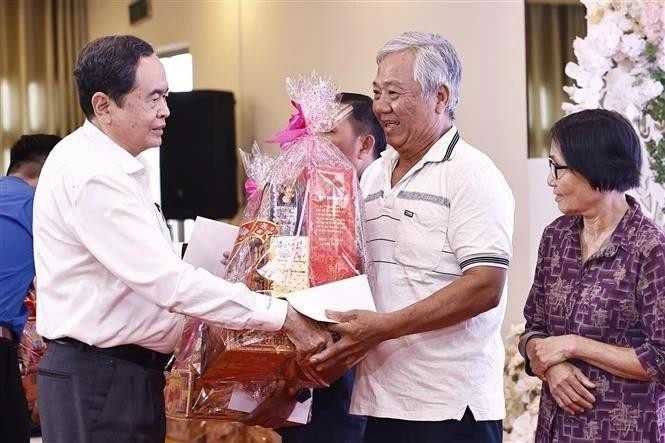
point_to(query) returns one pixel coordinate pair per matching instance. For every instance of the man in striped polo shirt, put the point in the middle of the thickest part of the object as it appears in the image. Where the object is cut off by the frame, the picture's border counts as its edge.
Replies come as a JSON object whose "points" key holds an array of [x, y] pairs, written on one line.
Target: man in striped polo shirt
{"points": [[439, 221]]}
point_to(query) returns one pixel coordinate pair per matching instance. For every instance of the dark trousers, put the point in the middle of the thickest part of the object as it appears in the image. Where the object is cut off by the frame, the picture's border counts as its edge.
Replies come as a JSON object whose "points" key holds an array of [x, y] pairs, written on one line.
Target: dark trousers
{"points": [[331, 421], [86, 396], [14, 415], [468, 430]]}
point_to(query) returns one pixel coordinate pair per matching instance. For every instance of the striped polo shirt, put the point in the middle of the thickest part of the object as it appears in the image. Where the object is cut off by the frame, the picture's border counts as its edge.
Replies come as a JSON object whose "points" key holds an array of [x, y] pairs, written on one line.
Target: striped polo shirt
{"points": [[452, 211]]}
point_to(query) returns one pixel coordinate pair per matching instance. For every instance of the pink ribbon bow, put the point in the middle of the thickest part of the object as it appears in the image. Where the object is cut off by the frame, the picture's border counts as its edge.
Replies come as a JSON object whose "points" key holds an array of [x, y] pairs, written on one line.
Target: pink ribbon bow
{"points": [[250, 186], [297, 127]]}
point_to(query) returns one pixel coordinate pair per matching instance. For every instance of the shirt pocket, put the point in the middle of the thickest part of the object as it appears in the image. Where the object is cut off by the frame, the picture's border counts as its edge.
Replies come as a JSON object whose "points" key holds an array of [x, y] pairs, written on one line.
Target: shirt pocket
{"points": [[421, 236]]}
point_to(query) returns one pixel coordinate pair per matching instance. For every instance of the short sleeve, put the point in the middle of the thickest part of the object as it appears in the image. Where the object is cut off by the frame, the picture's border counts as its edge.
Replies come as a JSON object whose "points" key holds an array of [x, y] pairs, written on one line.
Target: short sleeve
{"points": [[481, 220]]}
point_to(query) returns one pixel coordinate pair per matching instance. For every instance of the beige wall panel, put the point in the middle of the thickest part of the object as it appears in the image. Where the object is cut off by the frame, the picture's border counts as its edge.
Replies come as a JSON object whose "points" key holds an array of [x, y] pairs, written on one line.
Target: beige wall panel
{"points": [[209, 29]]}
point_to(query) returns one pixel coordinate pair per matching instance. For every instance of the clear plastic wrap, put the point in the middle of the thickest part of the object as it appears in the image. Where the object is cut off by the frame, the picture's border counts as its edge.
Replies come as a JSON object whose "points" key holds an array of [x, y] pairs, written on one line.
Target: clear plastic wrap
{"points": [[199, 431], [190, 397], [31, 350], [301, 227]]}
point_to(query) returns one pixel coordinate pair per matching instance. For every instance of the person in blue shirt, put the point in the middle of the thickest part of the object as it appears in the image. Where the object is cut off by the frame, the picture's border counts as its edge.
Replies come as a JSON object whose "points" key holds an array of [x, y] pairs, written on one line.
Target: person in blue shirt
{"points": [[17, 271]]}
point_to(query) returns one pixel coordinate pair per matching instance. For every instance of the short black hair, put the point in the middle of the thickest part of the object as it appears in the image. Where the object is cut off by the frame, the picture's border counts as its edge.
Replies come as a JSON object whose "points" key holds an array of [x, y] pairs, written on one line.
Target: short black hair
{"points": [[108, 65], [32, 148], [602, 146], [364, 120]]}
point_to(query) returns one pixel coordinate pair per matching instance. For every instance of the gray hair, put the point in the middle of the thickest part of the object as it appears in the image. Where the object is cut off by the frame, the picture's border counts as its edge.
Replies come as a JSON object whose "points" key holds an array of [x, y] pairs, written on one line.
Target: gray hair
{"points": [[435, 64]]}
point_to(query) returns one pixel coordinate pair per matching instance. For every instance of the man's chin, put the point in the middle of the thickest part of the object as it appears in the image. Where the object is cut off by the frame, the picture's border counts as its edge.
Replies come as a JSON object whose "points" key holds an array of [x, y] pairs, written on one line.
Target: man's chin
{"points": [[395, 144], [155, 142]]}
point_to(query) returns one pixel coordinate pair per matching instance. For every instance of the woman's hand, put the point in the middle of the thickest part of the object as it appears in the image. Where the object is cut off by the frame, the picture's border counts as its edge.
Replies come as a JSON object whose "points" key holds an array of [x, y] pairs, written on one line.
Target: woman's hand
{"points": [[570, 388], [547, 352]]}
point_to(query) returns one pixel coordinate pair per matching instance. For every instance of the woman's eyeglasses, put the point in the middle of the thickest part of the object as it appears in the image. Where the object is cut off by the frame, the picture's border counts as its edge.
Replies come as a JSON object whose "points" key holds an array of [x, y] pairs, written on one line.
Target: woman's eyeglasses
{"points": [[554, 168]]}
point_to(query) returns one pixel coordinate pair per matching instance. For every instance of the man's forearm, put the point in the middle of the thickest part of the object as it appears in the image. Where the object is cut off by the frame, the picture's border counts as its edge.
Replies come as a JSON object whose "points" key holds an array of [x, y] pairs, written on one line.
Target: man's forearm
{"points": [[477, 291]]}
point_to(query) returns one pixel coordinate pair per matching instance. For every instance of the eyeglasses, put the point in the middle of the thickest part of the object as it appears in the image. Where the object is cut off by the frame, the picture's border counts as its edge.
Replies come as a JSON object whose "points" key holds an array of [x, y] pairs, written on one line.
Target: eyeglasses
{"points": [[554, 168]]}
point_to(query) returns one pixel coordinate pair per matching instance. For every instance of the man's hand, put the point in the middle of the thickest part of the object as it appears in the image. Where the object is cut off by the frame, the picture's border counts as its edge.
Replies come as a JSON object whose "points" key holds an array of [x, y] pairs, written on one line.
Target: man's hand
{"points": [[274, 410], [359, 331], [570, 388], [547, 352], [308, 336]]}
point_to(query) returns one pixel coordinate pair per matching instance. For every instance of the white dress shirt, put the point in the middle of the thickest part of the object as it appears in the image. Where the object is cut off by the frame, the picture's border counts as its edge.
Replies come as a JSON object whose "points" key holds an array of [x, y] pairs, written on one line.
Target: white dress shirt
{"points": [[107, 272], [452, 211]]}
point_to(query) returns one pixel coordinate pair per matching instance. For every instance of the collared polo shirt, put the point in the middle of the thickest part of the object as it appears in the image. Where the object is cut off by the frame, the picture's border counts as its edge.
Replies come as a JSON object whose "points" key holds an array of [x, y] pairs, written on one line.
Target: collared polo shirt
{"points": [[452, 211]]}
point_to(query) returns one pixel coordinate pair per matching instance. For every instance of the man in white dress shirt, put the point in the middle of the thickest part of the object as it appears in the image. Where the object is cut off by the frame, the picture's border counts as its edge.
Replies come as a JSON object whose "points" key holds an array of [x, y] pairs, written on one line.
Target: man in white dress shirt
{"points": [[111, 287], [439, 222]]}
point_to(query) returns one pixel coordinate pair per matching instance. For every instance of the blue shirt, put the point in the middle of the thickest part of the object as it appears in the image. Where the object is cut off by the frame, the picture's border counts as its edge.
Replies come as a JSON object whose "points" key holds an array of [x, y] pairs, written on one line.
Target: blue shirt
{"points": [[17, 263]]}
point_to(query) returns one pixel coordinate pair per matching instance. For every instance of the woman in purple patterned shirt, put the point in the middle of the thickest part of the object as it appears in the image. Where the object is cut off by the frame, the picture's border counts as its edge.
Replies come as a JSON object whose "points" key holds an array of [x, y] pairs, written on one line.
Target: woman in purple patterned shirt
{"points": [[595, 316]]}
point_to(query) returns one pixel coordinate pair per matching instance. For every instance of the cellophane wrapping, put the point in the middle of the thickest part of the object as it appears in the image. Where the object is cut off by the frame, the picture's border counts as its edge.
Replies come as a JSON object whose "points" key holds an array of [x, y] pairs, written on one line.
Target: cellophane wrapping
{"points": [[188, 395], [31, 350], [201, 431], [302, 227]]}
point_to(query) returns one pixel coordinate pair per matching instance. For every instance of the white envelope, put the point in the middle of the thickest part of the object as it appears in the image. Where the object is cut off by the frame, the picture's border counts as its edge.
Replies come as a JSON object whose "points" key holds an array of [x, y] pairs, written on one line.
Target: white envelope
{"points": [[342, 295], [210, 238], [243, 401]]}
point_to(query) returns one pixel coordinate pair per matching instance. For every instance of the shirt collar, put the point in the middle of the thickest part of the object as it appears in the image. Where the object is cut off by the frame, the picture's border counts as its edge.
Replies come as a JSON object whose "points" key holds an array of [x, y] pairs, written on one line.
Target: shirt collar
{"points": [[623, 235], [16, 179], [438, 151], [111, 149], [441, 150]]}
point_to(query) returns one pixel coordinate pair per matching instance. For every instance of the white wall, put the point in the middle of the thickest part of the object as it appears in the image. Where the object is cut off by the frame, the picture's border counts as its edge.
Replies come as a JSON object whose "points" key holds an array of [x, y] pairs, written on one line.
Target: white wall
{"points": [[250, 47]]}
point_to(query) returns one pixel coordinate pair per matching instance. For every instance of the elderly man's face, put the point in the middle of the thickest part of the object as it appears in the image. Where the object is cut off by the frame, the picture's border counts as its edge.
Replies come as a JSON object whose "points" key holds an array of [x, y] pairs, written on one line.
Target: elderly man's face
{"points": [[407, 119], [139, 123]]}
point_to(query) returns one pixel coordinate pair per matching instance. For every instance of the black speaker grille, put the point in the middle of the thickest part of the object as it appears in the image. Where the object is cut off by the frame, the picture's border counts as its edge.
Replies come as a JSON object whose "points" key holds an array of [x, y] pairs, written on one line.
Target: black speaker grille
{"points": [[198, 156]]}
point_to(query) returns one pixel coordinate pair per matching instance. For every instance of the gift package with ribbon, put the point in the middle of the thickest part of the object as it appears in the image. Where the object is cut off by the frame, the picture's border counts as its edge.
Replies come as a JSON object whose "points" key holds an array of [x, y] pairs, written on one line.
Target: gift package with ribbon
{"points": [[30, 351], [302, 227]]}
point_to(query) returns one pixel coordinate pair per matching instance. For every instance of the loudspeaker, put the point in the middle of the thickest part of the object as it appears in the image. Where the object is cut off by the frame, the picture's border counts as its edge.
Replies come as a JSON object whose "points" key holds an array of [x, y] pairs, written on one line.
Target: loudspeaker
{"points": [[198, 156]]}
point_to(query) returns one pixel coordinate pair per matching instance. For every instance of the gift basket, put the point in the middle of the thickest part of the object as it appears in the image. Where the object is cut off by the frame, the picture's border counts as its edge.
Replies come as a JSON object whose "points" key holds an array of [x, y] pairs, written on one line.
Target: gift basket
{"points": [[301, 227], [199, 431], [187, 395], [31, 350]]}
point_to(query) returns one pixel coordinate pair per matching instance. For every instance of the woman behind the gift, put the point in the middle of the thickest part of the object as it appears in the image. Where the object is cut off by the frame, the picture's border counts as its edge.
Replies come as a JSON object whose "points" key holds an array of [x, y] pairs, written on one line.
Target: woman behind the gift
{"points": [[595, 316]]}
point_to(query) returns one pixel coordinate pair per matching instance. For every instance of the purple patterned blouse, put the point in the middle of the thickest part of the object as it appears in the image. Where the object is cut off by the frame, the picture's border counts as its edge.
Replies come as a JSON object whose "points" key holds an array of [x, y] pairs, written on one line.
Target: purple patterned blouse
{"points": [[617, 297]]}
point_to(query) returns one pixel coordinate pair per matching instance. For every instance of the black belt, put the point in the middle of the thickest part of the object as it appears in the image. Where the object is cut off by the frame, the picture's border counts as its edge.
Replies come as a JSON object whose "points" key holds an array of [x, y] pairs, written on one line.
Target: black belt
{"points": [[133, 353]]}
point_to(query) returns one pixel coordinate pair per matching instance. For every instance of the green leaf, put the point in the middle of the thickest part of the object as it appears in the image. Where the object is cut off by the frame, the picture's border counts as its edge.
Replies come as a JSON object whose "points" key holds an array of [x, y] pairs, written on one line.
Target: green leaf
{"points": [[651, 52], [657, 160]]}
